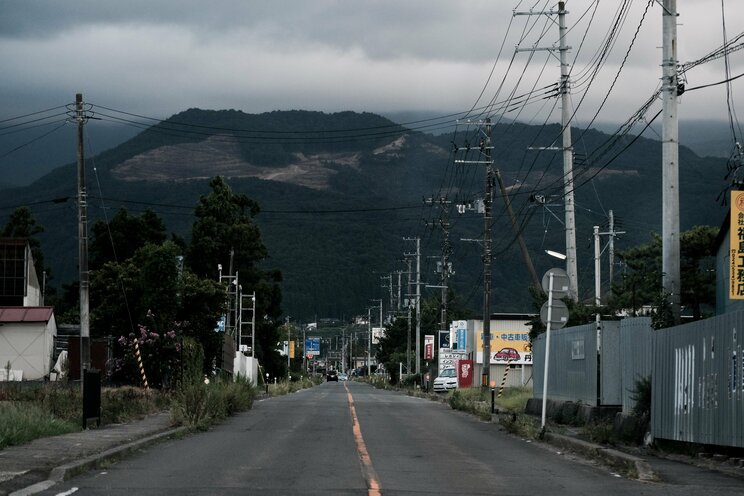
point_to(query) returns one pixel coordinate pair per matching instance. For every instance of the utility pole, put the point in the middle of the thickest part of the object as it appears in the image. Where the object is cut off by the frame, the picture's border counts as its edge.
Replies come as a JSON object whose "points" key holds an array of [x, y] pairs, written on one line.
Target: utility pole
{"points": [[418, 301], [536, 281], [408, 308], [83, 242], [444, 266], [567, 147], [485, 149], [568, 184], [612, 245], [670, 242]]}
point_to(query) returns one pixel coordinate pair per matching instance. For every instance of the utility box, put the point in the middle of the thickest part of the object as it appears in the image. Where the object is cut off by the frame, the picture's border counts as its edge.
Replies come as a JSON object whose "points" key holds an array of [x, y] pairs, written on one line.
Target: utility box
{"points": [[91, 397]]}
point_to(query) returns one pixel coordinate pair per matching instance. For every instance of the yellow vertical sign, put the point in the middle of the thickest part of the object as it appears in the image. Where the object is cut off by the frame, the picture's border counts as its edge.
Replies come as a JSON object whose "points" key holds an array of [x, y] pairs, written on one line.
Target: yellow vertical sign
{"points": [[736, 247], [291, 349]]}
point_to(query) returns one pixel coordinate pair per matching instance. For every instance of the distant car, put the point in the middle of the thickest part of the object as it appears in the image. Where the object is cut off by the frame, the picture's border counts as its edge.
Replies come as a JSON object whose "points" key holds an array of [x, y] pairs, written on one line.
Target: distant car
{"points": [[507, 354], [446, 380], [343, 377], [331, 376]]}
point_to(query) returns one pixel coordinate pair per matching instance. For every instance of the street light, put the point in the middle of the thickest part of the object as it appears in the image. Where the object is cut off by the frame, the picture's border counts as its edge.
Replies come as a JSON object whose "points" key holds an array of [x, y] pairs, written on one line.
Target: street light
{"points": [[559, 256]]}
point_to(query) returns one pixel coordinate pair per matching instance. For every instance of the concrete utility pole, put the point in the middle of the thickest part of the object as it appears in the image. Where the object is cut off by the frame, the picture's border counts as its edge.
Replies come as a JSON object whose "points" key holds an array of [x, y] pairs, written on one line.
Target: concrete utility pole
{"points": [[408, 305], [670, 160], [445, 266], [418, 301], [83, 241], [488, 202], [485, 150], [567, 147], [568, 184]]}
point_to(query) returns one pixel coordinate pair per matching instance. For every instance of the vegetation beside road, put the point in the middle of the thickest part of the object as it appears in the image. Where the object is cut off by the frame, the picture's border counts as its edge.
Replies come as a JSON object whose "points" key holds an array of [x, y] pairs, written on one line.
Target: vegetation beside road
{"points": [[33, 411]]}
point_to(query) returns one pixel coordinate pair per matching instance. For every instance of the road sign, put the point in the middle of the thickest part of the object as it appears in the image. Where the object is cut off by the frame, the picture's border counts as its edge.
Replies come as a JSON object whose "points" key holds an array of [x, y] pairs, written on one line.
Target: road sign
{"points": [[558, 316], [560, 283]]}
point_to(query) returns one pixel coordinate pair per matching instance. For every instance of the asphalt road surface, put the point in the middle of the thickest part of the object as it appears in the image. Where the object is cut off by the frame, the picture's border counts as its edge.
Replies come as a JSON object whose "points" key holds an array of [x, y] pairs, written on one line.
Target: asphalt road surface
{"points": [[348, 438]]}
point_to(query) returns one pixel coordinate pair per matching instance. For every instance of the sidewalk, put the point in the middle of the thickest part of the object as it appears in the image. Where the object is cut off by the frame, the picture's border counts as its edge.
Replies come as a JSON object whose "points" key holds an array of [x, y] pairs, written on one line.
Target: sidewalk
{"points": [[37, 465]]}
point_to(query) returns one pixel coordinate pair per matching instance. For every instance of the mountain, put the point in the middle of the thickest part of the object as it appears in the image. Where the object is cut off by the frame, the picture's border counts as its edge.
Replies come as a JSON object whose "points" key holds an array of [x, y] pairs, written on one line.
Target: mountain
{"points": [[340, 192]]}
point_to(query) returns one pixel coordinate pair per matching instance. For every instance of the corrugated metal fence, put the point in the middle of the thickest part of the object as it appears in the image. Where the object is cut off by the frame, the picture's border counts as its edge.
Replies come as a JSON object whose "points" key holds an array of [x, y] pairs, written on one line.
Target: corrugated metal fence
{"points": [[572, 375], [696, 370], [698, 382]]}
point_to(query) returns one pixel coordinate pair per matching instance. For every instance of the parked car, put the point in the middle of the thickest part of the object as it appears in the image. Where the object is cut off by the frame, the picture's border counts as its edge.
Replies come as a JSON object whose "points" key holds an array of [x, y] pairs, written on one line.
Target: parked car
{"points": [[331, 376], [507, 354], [446, 380], [343, 377]]}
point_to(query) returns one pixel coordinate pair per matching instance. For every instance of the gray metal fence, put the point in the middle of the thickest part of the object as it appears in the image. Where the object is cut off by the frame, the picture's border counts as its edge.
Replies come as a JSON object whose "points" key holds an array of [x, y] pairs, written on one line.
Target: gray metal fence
{"points": [[698, 382], [572, 369], [636, 357]]}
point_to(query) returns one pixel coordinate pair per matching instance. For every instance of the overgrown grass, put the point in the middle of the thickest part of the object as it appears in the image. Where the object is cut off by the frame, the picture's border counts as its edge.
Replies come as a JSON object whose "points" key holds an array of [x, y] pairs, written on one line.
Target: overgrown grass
{"points": [[199, 405], [21, 423], [284, 387]]}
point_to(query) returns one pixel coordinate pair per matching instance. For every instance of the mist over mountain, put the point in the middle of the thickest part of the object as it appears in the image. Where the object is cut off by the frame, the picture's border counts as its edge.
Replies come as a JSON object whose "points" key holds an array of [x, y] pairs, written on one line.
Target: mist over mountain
{"points": [[340, 192]]}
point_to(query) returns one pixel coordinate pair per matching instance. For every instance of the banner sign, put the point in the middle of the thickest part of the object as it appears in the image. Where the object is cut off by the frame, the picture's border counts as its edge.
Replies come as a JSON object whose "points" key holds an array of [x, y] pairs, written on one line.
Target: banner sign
{"points": [[459, 337], [736, 245], [428, 346], [464, 373]]}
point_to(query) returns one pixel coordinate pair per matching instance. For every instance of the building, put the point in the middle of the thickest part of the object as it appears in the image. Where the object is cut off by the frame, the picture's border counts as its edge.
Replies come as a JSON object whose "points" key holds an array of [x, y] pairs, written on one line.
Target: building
{"points": [[27, 328]]}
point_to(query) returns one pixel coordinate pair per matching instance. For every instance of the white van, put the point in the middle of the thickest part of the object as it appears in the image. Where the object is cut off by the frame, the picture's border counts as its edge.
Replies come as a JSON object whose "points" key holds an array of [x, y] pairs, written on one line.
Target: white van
{"points": [[446, 380]]}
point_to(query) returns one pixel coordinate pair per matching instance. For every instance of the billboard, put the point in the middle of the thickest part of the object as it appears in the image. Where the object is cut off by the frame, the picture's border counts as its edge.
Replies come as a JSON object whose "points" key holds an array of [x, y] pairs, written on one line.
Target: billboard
{"points": [[510, 343], [736, 247]]}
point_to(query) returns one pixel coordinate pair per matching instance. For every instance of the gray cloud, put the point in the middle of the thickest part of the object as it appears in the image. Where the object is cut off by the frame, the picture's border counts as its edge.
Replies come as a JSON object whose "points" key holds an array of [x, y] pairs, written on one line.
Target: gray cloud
{"points": [[160, 57]]}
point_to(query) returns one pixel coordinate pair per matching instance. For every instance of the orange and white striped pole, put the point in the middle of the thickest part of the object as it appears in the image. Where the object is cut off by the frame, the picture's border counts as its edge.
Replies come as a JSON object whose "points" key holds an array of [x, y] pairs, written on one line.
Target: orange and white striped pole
{"points": [[503, 381], [139, 362]]}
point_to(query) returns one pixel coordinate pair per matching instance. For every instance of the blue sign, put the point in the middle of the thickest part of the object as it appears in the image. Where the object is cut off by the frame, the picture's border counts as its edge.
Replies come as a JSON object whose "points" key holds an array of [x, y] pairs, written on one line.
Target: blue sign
{"points": [[462, 339], [312, 346]]}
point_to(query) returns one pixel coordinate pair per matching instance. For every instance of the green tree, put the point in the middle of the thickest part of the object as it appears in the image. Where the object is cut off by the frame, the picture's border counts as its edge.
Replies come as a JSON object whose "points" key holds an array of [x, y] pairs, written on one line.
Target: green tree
{"points": [[641, 281], [225, 233], [22, 224], [123, 235]]}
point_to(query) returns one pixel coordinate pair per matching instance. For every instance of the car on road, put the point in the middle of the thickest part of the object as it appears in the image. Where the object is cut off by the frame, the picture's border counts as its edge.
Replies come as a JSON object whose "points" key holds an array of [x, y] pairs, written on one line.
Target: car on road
{"points": [[331, 376], [343, 377], [446, 380], [507, 354]]}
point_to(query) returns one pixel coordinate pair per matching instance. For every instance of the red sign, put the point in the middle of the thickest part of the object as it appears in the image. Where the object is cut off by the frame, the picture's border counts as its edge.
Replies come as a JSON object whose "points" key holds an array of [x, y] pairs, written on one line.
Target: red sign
{"points": [[429, 347], [464, 373]]}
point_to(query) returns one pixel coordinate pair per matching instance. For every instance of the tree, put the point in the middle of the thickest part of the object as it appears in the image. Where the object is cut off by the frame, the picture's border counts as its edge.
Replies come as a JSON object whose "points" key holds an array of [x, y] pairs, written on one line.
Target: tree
{"points": [[225, 233], [123, 235], [391, 348], [641, 281], [22, 224]]}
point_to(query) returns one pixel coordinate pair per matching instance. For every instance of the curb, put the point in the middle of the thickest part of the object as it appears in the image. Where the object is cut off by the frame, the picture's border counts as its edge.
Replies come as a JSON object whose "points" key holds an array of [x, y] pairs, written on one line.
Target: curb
{"points": [[630, 464], [77, 467]]}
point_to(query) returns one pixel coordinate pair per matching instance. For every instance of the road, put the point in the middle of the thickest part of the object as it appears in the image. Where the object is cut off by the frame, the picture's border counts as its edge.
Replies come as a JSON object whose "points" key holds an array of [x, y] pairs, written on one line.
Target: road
{"points": [[349, 438]]}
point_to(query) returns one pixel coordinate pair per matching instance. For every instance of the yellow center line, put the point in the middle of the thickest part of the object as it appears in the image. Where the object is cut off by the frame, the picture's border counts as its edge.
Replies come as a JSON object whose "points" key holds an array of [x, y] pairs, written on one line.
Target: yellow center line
{"points": [[373, 482]]}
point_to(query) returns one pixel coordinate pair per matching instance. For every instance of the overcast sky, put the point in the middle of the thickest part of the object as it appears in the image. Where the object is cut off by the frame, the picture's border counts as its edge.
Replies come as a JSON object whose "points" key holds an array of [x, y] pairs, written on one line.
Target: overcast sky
{"points": [[159, 57]]}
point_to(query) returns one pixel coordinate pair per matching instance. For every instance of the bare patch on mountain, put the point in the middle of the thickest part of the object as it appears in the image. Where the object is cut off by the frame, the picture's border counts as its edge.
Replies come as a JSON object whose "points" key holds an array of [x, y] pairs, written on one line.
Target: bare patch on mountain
{"points": [[220, 156]]}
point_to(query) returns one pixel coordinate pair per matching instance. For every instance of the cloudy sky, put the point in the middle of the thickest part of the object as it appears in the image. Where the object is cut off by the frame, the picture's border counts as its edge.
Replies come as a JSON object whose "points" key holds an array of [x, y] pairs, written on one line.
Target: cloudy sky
{"points": [[158, 57]]}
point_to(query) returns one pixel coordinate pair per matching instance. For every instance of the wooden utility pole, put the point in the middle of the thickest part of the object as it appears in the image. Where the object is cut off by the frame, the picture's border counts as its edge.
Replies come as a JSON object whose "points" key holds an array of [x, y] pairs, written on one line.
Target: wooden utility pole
{"points": [[670, 265], [536, 281], [82, 241]]}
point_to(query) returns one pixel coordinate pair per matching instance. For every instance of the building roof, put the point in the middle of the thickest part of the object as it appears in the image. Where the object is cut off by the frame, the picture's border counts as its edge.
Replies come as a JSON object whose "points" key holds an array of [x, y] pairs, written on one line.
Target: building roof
{"points": [[26, 314]]}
